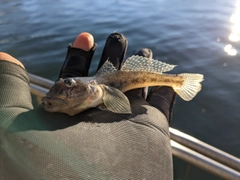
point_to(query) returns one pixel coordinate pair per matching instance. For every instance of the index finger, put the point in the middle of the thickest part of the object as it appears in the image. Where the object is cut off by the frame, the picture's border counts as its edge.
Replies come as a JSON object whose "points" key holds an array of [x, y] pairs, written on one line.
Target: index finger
{"points": [[79, 56]]}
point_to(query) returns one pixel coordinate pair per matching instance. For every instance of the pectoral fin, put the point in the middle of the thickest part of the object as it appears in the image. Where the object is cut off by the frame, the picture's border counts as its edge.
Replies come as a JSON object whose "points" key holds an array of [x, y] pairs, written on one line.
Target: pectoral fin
{"points": [[115, 101]]}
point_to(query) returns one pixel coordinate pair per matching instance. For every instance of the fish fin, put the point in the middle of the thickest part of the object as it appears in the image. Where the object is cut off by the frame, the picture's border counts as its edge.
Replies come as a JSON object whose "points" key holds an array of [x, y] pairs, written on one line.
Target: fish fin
{"points": [[106, 68], [190, 87], [140, 63], [102, 107], [115, 101]]}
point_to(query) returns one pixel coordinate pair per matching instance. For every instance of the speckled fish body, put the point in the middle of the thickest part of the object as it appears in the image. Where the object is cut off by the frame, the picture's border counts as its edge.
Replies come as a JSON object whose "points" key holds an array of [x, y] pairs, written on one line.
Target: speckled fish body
{"points": [[105, 89]]}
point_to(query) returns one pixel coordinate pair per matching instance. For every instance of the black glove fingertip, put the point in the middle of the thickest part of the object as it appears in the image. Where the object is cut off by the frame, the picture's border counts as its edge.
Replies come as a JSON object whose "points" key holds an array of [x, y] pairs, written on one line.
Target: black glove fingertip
{"points": [[114, 50]]}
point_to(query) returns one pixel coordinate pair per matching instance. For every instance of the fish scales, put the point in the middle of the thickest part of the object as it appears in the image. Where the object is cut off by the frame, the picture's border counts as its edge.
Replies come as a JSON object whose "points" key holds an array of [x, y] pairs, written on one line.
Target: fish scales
{"points": [[125, 81], [105, 89]]}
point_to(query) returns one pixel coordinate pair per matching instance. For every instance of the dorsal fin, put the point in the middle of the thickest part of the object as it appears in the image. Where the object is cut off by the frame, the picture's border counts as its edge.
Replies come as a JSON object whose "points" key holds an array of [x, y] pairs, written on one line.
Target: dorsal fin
{"points": [[106, 68], [140, 63]]}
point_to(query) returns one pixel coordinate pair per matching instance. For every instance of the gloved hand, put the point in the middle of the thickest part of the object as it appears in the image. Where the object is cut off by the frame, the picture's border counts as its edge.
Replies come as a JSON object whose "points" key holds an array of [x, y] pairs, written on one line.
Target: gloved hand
{"points": [[94, 144], [78, 61]]}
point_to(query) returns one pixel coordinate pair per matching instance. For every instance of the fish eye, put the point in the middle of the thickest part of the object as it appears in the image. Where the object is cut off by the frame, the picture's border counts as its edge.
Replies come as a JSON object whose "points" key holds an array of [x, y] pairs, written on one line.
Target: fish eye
{"points": [[69, 82]]}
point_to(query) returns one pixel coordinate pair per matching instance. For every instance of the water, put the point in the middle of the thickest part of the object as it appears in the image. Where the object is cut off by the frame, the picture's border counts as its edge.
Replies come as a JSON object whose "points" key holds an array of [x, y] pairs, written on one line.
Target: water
{"points": [[192, 34]]}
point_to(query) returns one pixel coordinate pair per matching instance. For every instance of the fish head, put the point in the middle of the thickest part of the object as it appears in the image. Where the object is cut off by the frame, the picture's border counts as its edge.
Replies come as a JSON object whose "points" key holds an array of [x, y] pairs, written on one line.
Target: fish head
{"points": [[72, 96]]}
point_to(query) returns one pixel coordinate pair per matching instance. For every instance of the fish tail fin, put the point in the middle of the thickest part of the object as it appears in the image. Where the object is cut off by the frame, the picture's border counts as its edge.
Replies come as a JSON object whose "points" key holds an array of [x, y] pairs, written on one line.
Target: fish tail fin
{"points": [[190, 87]]}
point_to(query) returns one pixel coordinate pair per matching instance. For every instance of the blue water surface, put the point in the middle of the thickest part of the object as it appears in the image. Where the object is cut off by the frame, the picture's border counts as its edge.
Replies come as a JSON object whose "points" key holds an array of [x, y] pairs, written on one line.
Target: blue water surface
{"points": [[199, 36]]}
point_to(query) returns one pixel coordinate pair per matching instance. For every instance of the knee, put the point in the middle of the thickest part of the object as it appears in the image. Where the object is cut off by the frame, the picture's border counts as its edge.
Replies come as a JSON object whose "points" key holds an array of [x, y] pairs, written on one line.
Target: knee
{"points": [[6, 57]]}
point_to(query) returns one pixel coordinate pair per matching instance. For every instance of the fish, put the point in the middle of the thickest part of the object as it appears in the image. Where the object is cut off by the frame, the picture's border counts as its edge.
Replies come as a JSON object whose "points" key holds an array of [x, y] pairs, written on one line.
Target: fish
{"points": [[105, 90]]}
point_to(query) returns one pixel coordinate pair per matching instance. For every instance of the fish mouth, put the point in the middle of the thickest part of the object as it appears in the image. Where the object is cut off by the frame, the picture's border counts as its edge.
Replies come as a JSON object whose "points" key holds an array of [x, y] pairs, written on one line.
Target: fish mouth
{"points": [[49, 101]]}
